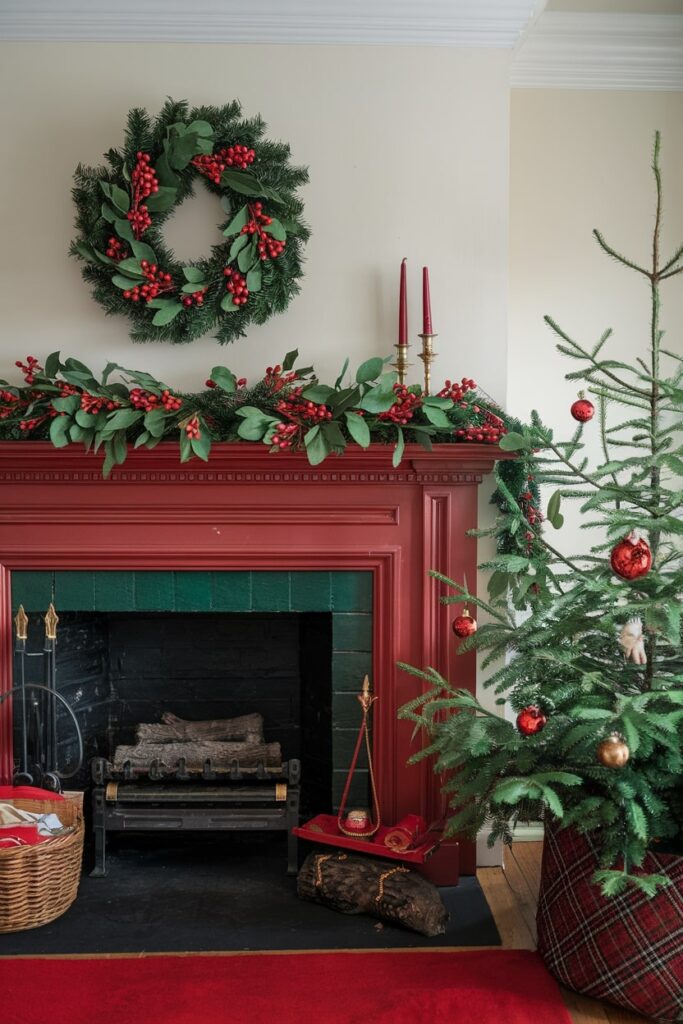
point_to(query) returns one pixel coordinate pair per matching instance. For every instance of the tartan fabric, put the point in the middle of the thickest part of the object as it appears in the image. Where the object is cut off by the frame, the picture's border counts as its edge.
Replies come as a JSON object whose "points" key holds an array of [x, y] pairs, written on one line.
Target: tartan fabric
{"points": [[628, 949]]}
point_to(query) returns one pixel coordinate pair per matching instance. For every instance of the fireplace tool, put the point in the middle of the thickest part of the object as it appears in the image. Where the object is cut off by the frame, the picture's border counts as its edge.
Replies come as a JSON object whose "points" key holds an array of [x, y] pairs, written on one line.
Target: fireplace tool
{"points": [[38, 732]]}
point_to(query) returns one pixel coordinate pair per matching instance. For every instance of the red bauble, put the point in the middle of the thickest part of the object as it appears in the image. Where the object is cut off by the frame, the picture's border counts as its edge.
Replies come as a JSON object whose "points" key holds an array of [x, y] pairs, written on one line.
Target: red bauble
{"points": [[583, 410], [631, 557], [531, 720], [464, 625]]}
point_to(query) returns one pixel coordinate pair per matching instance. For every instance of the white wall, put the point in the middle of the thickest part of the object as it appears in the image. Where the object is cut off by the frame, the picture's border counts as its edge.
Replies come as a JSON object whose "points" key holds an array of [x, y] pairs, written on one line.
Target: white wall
{"points": [[581, 160], [408, 156]]}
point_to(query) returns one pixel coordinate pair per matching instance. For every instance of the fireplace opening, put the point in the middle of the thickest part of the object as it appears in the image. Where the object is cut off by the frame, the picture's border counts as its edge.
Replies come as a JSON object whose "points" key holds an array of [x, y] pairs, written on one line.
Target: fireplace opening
{"points": [[122, 670]]}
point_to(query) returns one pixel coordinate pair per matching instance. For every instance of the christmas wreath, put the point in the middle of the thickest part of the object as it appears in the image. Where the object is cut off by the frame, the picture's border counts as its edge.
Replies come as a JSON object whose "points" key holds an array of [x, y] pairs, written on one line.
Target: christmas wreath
{"points": [[121, 210]]}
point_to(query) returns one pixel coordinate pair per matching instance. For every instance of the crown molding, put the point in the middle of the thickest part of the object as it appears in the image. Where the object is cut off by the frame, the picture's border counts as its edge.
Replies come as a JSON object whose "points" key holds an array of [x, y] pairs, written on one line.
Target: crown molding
{"points": [[493, 23], [601, 51]]}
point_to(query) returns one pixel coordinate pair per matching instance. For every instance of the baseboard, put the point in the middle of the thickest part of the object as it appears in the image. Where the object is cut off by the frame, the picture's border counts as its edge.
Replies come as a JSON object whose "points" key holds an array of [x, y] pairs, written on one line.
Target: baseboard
{"points": [[492, 856], [529, 832]]}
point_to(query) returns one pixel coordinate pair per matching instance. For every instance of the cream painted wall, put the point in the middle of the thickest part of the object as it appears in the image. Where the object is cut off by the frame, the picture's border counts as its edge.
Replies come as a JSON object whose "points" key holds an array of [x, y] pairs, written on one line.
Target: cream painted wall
{"points": [[408, 156], [581, 160]]}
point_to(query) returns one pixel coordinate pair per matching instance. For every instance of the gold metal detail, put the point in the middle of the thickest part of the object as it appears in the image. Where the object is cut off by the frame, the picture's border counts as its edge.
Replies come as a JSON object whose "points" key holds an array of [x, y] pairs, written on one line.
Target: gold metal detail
{"points": [[280, 791], [427, 355], [383, 877], [112, 791], [365, 696], [21, 623], [319, 866], [402, 365], [51, 620]]}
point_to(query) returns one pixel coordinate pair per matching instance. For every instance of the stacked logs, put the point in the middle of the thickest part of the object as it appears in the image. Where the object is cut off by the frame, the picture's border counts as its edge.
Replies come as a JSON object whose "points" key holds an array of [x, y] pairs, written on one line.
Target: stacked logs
{"points": [[221, 741]]}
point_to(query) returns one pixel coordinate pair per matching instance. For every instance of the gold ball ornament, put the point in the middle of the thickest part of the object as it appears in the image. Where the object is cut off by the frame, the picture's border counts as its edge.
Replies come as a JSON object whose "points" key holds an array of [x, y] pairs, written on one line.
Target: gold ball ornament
{"points": [[613, 752]]}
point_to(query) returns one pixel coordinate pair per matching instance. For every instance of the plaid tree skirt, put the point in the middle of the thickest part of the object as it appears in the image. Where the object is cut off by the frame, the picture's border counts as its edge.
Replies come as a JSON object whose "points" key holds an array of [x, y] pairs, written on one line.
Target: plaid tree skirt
{"points": [[628, 949]]}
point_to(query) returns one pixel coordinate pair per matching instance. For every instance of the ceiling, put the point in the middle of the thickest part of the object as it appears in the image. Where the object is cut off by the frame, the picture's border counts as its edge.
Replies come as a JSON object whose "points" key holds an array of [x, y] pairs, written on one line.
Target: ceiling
{"points": [[578, 44]]}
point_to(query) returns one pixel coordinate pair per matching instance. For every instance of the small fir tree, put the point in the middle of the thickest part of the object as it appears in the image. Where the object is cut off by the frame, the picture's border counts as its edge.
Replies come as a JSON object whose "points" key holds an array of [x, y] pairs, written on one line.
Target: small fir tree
{"points": [[588, 646]]}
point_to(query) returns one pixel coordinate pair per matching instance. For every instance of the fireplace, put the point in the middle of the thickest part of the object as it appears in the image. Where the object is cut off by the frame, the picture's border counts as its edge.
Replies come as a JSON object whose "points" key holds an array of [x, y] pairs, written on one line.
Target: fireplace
{"points": [[247, 516]]}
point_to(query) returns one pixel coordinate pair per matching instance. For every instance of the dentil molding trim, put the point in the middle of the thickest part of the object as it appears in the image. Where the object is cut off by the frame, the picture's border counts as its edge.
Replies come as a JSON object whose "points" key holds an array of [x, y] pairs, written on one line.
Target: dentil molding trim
{"points": [[497, 23], [601, 51]]}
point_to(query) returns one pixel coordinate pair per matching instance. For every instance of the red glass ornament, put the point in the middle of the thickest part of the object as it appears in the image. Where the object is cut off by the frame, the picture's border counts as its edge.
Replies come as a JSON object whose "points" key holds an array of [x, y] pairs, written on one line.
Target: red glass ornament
{"points": [[464, 625], [531, 720], [583, 410], [631, 557]]}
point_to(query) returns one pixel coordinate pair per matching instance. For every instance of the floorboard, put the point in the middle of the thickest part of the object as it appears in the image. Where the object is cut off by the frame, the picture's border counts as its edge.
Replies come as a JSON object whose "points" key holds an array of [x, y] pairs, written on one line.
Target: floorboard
{"points": [[512, 893]]}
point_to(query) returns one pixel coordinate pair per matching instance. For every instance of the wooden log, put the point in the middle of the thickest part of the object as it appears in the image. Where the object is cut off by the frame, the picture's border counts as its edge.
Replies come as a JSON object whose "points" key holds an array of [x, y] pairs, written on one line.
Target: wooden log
{"points": [[220, 754], [172, 729], [354, 884]]}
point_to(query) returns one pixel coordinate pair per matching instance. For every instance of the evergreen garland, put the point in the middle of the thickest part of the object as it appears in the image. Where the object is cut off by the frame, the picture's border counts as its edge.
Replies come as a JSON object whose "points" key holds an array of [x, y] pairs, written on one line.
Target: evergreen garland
{"points": [[183, 144]]}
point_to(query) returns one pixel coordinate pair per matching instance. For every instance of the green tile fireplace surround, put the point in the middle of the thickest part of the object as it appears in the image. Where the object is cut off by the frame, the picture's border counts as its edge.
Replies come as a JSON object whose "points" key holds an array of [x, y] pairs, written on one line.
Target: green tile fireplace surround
{"points": [[347, 596]]}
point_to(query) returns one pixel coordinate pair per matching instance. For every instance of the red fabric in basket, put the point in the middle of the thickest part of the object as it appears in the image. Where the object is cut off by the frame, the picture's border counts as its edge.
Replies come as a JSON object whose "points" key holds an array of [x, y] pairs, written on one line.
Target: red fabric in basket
{"points": [[26, 834], [628, 949], [27, 793]]}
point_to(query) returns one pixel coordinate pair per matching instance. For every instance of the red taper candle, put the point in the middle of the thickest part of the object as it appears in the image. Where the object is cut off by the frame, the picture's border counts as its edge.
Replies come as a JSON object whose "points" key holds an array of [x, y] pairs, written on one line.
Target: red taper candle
{"points": [[426, 303], [403, 308]]}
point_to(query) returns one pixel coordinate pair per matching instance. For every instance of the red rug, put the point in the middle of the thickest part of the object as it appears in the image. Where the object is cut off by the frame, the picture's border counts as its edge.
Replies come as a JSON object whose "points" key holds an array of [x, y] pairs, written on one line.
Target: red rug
{"points": [[478, 987]]}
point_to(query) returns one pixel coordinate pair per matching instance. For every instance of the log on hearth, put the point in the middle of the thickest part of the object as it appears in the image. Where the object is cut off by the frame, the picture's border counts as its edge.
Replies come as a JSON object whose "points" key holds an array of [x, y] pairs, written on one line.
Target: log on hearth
{"points": [[364, 885], [248, 728], [221, 755]]}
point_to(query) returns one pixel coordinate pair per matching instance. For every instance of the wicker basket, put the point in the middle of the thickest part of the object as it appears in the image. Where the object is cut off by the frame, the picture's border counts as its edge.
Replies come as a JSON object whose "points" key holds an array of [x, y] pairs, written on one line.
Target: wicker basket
{"points": [[39, 883]]}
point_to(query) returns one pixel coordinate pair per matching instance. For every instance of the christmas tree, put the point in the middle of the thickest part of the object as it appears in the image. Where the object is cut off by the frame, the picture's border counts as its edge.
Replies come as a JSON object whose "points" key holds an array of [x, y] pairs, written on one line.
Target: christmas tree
{"points": [[586, 648]]}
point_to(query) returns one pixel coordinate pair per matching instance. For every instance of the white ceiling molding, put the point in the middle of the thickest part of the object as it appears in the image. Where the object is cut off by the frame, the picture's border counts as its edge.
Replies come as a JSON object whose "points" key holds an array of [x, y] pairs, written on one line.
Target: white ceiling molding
{"points": [[494, 23], [601, 51]]}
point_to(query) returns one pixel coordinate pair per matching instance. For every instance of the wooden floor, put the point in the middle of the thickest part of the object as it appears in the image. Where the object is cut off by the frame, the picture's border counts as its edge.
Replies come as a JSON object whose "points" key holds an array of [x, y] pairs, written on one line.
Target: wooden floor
{"points": [[512, 894]]}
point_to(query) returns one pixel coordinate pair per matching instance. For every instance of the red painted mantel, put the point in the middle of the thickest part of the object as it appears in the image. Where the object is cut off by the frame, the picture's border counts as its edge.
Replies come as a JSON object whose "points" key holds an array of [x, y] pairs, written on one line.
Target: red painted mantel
{"points": [[248, 509]]}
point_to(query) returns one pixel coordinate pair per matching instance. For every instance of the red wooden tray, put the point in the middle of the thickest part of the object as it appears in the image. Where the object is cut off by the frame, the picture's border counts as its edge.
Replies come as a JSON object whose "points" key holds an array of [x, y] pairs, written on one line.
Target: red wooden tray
{"points": [[324, 829]]}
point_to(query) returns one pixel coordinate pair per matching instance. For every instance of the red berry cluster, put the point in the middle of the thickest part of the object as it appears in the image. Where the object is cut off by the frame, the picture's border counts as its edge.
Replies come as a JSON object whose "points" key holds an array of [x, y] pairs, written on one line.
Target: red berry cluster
{"points": [[269, 248], [145, 183], [195, 298], [300, 410], [212, 165], [147, 401], [455, 391], [27, 425], [236, 284], [10, 400], [192, 428], [95, 403], [404, 408], [116, 250], [488, 432], [157, 283], [284, 435], [275, 380], [29, 368], [532, 514], [66, 389]]}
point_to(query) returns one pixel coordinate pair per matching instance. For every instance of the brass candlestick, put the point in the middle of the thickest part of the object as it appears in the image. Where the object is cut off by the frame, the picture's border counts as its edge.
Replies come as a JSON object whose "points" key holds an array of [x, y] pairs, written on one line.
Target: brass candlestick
{"points": [[402, 365], [427, 355]]}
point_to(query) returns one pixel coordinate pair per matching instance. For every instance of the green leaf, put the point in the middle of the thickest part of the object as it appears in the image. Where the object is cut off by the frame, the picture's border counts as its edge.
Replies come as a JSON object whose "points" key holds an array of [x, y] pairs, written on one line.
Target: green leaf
{"points": [[242, 182], [227, 305], [160, 303], [121, 419], [255, 424], [437, 402], [120, 199], [108, 213], [142, 439], [68, 404], [143, 251], [342, 373], [369, 370], [106, 188], [201, 445], [124, 230], [193, 274], [290, 359], [224, 378], [513, 442], [247, 257], [399, 448], [132, 266], [276, 229], [201, 128], [182, 148], [162, 200], [318, 393], [317, 448], [164, 173], [155, 422], [255, 278], [190, 289], [238, 221], [52, 364], [166, 315], [437, 417], [378, 399], [238, 245], [59, 431], [124, 283]]}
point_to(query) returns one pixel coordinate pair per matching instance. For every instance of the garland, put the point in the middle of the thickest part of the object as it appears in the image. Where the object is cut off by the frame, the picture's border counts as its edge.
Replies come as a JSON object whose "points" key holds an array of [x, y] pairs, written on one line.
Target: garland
{"points": [[288, 409], [121, 210]]}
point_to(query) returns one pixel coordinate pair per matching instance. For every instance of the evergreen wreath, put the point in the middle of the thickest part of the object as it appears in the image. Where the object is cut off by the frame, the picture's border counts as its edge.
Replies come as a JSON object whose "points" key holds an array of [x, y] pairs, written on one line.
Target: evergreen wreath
{"points": [[121, 210]]}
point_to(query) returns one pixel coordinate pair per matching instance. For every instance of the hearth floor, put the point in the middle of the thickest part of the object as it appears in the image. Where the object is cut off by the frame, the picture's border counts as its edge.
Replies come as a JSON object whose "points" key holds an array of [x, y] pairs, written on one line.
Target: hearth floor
{"points": [[224, 893]]}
